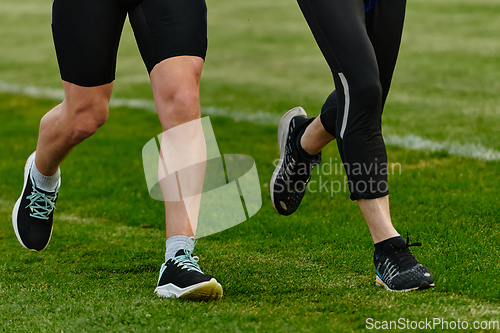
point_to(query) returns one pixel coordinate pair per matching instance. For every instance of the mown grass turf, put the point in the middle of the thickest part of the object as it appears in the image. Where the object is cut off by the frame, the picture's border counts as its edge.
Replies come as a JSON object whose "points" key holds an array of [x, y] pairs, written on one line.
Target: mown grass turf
{"points": [[308, 272], [311, 271]]}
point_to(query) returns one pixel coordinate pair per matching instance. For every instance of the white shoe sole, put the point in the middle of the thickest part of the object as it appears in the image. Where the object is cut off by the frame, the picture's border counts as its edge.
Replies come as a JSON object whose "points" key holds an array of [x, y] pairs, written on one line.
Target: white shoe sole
{"points": [[283, 128], [204, 291], [27, 168]]}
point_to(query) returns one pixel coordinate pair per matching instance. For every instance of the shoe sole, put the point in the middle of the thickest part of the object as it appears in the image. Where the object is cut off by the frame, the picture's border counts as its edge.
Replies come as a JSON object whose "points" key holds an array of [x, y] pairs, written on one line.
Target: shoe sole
{"points": [[27, 168], [204, 291], [424, 285], [283, 128]]}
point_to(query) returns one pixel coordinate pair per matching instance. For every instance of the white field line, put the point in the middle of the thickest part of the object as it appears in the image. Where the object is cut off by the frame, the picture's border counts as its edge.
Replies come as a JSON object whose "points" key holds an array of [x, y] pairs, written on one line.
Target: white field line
{"points": [[410, 141]]}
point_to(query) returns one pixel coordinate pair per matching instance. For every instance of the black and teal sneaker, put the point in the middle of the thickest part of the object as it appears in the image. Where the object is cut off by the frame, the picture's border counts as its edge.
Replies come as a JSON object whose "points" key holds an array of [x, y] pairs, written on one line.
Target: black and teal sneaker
{"points": [[289, 181], [33, 212], [398, 270], [181, 277]]}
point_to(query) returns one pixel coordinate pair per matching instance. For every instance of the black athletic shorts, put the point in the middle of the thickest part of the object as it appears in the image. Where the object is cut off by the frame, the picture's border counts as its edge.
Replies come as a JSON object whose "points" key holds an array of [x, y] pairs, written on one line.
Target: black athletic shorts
{"points": [[87, 33]]}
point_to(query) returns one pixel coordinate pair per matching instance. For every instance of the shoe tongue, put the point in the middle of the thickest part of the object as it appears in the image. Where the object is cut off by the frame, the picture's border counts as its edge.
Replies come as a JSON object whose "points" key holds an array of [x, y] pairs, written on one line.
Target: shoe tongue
{"points": [[394, 245], [179, 253], [45, 191]]}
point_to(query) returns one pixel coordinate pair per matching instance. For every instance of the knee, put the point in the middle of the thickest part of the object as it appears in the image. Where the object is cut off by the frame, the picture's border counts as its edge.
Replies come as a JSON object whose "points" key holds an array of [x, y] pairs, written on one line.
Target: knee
{"points": [[178, 106], [88, 117], [370, 95], [187, 102], [366, 109]]}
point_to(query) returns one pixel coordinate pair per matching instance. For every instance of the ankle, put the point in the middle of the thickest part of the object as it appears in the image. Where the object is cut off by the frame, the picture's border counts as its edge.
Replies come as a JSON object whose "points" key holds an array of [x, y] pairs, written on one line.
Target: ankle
{"points": [[380, 246], [303, 153], [315, 138], [46, 183], [174, 244]]}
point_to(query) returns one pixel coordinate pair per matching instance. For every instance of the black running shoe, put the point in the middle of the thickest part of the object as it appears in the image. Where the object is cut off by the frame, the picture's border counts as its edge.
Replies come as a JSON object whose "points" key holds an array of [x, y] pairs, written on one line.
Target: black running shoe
{"points": [[33, 212], [398, 270], [290, 178], [181, 277]]}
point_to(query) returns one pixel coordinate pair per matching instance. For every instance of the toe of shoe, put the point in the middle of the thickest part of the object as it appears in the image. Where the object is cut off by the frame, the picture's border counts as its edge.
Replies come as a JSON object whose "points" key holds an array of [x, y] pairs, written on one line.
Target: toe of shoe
{"points": [[210, 291]]}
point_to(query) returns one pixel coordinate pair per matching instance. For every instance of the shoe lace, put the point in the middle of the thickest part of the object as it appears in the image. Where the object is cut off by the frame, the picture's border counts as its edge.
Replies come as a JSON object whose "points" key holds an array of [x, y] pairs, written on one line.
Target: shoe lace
{"points": [[292, 169], [403, 256], [41, 204], [187, 260]]}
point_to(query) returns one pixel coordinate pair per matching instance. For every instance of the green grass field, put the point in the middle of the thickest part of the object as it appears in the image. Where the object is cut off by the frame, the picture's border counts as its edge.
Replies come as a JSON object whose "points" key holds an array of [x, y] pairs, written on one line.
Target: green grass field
{"points": [[310, 272]]}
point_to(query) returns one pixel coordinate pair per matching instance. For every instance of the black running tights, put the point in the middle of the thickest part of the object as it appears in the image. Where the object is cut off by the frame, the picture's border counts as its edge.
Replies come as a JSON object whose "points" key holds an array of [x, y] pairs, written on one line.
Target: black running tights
{"points": [[361, 50]]}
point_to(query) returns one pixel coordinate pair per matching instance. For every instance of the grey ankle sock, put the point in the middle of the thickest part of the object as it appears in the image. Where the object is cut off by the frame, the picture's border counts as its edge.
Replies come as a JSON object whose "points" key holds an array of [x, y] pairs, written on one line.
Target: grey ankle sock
{"points": [[46, 183], [174, 244]]}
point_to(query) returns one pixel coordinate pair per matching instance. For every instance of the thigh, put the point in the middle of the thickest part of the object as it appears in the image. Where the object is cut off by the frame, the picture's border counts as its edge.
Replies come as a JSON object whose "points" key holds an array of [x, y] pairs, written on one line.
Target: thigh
{"points": [[384, 24], [86, 37], [169, 28], [340, 31]]}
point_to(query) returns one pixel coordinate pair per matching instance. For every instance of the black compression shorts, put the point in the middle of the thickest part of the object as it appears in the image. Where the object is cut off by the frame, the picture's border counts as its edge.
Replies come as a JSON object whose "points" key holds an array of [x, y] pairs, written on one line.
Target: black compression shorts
{"points": [[87, 33]]}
